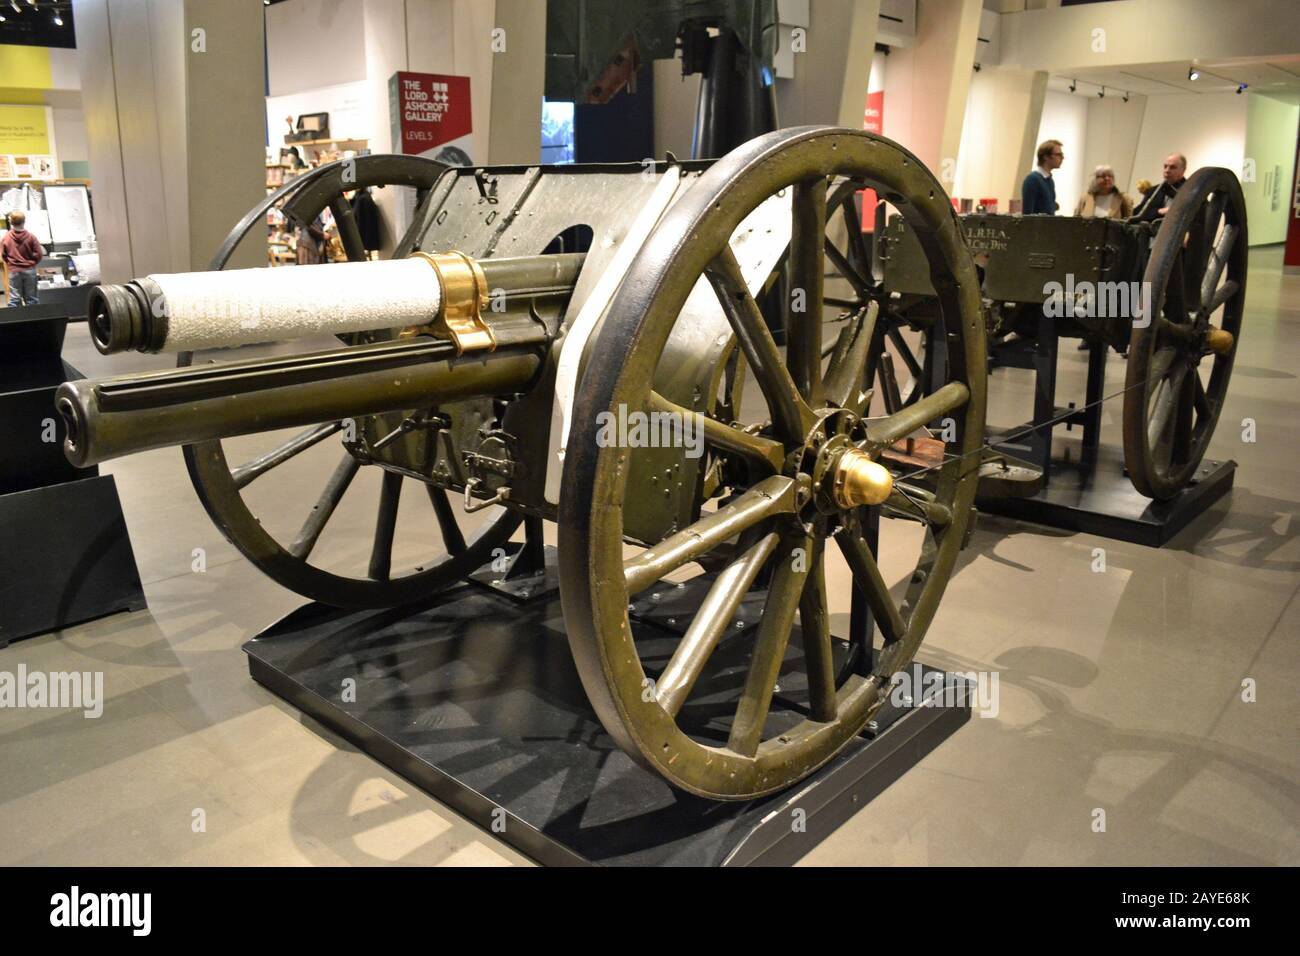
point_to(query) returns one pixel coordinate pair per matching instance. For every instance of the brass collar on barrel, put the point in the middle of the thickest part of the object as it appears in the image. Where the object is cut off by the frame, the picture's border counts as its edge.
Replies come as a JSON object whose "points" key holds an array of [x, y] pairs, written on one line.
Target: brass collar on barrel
{"points": [[464, 296]]}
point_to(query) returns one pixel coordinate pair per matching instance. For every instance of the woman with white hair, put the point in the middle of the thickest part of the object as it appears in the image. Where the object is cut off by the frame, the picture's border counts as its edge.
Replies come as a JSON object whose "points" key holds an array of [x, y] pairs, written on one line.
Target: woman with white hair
{"points": [[1103, 200]]}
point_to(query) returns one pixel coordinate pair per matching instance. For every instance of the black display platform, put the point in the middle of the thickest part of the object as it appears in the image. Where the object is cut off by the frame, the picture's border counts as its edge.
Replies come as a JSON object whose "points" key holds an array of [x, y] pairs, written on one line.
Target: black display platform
{"points": [[64, 557], [64, 552], [476, 700], [1098, 498]]}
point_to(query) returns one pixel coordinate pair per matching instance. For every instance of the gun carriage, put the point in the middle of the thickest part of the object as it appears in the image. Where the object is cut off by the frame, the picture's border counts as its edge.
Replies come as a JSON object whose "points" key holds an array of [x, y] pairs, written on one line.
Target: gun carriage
{"points": [[1169, 295], [521, 311]]}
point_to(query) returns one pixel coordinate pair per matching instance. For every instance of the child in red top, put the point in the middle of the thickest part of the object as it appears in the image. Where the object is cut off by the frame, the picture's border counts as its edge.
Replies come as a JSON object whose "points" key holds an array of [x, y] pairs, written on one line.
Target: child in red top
{"points": [[22, 253]]}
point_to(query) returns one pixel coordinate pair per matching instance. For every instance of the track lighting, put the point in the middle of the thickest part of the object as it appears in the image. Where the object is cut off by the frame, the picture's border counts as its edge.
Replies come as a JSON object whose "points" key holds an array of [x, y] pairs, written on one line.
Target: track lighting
{"points": [[1126, 96], [1102, 93], [1074, 85], [1193, 74], [1240, 88]]}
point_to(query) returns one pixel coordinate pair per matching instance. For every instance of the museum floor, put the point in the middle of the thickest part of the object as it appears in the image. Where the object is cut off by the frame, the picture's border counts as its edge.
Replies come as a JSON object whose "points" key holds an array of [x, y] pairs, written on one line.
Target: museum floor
{"points": [[1119, 690]]}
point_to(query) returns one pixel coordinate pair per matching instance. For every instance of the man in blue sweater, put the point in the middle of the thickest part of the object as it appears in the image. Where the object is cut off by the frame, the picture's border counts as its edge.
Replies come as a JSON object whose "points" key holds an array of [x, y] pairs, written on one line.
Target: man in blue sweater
{"points": [[1038, 191]]}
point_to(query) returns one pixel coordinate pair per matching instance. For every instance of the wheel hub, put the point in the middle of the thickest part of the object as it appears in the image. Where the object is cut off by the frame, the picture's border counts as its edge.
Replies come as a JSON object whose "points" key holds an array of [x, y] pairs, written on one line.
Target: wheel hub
{"points": [[843, 476]]}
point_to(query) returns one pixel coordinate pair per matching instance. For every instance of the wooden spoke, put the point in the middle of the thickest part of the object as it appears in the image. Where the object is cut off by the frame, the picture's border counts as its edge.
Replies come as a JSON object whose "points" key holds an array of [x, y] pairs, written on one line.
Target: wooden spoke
{"points": [[889, 390], [845, 269], [1184, 415], [329, 499], [844, 377], [1201, 400], [904, 352], [710, 622], [1214, 267], [1175, 305], [885, 431], [1161, 363], [763, 453], [452, 538], [349, 231], [1165, 412], [803, 330], [1221, 295], [769, 497], [790, 413], [783, 598], [260, 465], [853, 225], [814, 626], [381, 555], [867, 575], [916, 502]]}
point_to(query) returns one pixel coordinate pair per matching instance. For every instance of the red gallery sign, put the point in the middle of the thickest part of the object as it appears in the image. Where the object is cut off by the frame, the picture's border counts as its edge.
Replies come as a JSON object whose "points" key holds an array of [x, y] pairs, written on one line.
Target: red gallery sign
{"points": [[428, 110], [873, 121]]}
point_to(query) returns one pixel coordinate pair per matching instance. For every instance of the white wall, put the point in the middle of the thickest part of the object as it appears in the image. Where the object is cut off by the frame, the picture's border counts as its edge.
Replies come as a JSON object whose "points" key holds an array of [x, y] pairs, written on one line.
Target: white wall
{"points": [[1271, 143], [348, 105], [70, 133], [1065, 117], [1003, 110], [1208, 128], [1113, 130], [313, 43]]}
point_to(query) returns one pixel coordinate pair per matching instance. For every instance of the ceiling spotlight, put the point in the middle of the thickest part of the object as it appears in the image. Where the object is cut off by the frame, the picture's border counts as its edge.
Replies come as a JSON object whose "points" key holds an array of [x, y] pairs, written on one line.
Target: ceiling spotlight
{"points": [[58, 20], [1102, 94], [1126, 96], [1240, 88], [14, 4], [1193, 74], [1074, 85], [2, 18]]}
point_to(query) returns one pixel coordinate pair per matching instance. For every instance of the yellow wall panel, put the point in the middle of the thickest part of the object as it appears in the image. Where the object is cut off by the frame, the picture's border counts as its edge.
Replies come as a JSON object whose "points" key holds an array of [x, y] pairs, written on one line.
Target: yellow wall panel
{"points": [[23, 130]]}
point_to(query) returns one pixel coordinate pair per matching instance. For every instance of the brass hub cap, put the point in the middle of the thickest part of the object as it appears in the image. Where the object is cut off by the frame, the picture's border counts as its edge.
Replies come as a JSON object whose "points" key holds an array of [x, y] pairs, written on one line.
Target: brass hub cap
{"points": [[857, 480]]}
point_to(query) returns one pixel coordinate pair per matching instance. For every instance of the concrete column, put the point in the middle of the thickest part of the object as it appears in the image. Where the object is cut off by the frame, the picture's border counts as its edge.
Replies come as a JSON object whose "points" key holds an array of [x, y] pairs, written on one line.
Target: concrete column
{"points": [[999, 136], [830, 76], [518, 74], [927, 84], [175, 128], [225, 125], [1113, 128]]}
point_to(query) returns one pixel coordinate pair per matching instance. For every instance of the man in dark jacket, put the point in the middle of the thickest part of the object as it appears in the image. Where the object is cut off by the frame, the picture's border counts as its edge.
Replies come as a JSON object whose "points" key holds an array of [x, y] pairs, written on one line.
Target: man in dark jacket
{"points": [[1155, 201], [22, 253], [1038, 191]]}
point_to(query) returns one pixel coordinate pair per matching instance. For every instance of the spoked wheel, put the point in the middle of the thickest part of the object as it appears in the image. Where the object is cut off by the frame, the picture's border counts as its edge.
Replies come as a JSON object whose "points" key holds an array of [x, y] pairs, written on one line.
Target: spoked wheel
{"points": [[708, 713], [221, 488], [1197, 281], [894, 368]]}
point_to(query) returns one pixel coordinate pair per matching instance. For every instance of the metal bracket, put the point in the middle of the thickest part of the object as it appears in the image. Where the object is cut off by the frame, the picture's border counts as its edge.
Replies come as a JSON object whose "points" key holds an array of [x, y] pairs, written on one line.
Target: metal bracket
{"points": [[473, 504], [464, 296]]}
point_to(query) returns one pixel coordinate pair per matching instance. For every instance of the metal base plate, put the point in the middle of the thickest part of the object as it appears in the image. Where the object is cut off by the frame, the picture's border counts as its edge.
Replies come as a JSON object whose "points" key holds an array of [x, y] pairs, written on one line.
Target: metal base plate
{"points": [[476, 700], [1100, 499]]}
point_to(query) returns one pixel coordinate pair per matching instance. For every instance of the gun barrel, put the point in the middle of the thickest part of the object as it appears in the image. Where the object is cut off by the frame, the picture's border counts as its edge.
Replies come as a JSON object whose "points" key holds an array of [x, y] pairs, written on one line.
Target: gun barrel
{"points": [[189, 311], [112, 417]]}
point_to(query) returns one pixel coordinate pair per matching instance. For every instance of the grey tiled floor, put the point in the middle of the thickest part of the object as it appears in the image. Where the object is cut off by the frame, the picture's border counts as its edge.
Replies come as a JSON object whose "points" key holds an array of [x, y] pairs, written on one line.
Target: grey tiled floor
{"points": [[1119, 690]]}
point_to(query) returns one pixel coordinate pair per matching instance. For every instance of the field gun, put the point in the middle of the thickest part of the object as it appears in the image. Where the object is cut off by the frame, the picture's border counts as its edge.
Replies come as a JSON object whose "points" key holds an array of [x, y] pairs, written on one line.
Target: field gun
{"points": [[530, 323]]}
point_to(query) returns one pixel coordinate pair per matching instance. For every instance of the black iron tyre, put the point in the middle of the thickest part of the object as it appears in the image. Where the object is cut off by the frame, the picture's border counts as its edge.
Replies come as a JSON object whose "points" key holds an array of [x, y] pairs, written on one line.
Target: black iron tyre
{"points": [[218, 485], [1197, 270]]}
